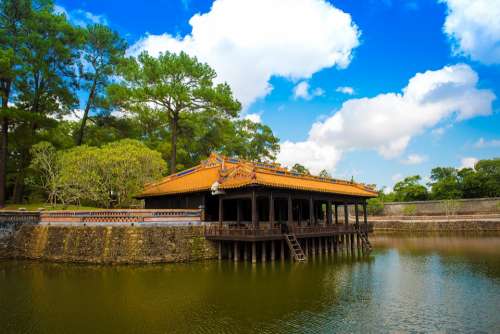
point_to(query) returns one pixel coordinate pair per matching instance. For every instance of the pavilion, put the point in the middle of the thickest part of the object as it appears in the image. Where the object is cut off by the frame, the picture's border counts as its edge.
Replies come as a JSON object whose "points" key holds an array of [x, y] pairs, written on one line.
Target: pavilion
{"points": [[254, 203]]}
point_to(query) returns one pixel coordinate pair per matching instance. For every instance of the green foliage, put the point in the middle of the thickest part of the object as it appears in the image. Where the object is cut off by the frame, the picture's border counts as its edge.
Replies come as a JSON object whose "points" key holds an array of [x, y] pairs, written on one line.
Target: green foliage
{"points": [[445, 183], [410, 190], [102, 51], [410, 210], [106, 177], [298, 168], [174, 84], [375, 206], [324, 173]]}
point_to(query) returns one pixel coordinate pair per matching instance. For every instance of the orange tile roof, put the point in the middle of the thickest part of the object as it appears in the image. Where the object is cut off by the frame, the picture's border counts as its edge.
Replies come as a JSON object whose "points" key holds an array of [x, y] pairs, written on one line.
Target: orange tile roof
{"points": [[233, 173]]}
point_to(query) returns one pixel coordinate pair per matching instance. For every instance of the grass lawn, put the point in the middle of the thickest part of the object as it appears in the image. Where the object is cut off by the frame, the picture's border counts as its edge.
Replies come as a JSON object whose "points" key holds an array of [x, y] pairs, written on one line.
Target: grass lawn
{"points": [[47, 207]]}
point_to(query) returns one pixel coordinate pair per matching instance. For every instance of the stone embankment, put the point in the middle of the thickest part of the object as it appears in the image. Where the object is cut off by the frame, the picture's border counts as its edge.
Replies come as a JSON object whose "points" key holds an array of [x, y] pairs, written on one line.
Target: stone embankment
{"points": [[112, 236], [455, 223]]}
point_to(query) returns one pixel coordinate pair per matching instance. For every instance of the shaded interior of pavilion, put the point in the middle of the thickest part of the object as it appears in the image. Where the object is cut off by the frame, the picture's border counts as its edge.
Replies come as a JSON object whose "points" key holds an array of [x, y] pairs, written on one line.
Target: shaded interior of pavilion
{"points": [[252, 209]]}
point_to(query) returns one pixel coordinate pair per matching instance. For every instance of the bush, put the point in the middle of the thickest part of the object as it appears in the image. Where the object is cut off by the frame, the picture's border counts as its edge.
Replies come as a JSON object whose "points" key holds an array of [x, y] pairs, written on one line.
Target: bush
{"points": [[375, 206], [106, 177], [410, 210]]}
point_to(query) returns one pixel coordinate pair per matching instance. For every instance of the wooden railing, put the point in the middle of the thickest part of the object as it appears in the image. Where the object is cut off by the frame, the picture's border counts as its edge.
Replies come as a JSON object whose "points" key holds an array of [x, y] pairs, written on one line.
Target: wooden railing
{"points": [[216, 230], [19, 217], [228, 230], [122, 216]]}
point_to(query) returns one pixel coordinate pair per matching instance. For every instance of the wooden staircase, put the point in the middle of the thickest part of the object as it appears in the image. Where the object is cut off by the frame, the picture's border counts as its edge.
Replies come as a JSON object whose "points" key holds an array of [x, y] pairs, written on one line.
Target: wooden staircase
{"points": [[364, 239], [295, 249]]}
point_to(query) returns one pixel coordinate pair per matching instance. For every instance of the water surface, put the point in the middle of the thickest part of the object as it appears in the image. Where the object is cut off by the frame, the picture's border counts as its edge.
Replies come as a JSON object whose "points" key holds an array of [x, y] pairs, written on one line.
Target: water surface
{"points": [[424, 284]]}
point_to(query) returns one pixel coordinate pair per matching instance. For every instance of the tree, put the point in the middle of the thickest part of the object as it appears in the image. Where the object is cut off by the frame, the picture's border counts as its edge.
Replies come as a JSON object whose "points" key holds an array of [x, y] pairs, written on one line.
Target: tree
{"points": [[298, 168], [102, 51], [324, 173], [106, 177], [488, 172], [445, 184], [45, 86], [47, 164], [410, 189], [175, 84], [13, 16]]}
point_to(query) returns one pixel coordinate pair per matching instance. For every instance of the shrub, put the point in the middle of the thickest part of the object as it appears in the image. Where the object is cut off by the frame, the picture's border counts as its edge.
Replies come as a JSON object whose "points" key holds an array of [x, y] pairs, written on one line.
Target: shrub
{"points": [[375, 206], [410, 210]]}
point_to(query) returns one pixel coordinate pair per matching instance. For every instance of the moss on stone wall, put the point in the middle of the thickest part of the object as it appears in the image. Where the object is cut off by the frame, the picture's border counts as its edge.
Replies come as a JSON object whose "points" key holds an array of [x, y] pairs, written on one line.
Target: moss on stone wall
{"points": [[111, 244]]}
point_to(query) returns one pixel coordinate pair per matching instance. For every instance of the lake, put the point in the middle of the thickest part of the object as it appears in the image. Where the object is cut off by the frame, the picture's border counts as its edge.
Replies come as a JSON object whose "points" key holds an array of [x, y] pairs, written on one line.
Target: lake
{"points": [[408, 284]]}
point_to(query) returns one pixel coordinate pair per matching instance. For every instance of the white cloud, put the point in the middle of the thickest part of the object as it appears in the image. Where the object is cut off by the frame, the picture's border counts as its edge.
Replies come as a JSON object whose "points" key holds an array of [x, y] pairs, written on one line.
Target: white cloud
{"points": [[309, 154], [474, 28], [254, 117], [468, 162], [481, 143], [387, 122], [248, 42], [80, 17], [414, 159], [74, 116], [302, 91], [397, 177], [345, 90]]}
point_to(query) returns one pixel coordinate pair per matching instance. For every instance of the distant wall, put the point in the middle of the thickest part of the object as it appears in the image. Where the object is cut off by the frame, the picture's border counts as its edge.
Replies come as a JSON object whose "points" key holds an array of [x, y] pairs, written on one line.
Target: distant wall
{"points": [[109, 244], [430, 208]]}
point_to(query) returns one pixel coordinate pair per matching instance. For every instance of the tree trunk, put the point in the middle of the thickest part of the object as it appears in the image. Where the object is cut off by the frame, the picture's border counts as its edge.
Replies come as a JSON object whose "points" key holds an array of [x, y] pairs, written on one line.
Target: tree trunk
{"points": [[3, 162], [79, 139], [174, 120], [4, 144]]}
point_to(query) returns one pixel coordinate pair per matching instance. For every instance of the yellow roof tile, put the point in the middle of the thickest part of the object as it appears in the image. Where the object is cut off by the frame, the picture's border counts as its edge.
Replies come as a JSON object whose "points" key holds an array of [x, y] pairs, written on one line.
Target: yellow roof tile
{"points": [[233, 173]]}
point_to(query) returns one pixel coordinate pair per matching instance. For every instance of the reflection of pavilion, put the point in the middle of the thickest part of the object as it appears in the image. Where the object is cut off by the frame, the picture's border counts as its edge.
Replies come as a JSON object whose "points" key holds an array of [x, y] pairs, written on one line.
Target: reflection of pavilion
{"points": [[261, 205]]}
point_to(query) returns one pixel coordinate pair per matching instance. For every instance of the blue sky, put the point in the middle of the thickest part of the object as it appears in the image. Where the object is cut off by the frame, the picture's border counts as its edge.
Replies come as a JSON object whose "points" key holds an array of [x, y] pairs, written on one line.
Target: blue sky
{"points": [[288, 67]]}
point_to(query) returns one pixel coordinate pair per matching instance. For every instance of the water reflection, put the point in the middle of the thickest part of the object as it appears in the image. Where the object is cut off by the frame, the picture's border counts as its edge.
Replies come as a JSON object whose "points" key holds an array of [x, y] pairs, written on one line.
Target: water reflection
{"points": [[408, 284]]}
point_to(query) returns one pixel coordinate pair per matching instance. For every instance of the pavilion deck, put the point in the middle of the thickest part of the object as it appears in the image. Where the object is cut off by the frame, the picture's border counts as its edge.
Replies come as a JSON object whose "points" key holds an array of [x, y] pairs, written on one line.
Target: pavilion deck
{"points": [[231, 231]]}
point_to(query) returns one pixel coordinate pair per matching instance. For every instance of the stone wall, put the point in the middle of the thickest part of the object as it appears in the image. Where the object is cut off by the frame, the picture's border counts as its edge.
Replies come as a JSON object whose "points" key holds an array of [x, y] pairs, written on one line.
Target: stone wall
{"points": [[110, 244], [463, 206], [434, 225]]}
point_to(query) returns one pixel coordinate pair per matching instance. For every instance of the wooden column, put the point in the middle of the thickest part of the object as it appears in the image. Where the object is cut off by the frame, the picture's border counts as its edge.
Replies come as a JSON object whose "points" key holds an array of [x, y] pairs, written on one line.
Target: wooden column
{"points": [[282, 250], [220, 250], [311, 211], [221, 210], [365, 213], [329, 212], [346, 214], [236, 252], [356, 211], [271, 210], [238, 211], [229, 251], [290, 211], [245, 251], [336, 214], [273, 251], [264, 252], [255, 218], [254, 252]]}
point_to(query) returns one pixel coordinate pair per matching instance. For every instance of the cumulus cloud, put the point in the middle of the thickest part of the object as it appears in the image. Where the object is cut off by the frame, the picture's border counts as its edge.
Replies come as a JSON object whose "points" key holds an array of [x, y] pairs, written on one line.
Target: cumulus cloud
{"points": [[414, 159], [81, 17], [474, 28], [248, 42], [482, 143], [387, 122], [302, 91], [253, 117], [345, 90], [310, 154], [468, 162]]}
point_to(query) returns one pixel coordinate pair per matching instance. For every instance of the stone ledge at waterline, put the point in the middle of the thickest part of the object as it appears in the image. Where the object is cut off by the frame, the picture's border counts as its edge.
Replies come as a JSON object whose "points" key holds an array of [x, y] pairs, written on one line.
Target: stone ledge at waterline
{"points": [[471, 223], [110, 244]]}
